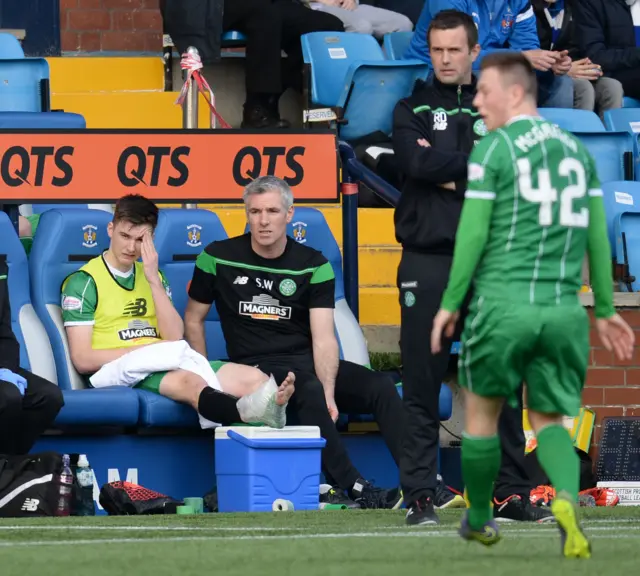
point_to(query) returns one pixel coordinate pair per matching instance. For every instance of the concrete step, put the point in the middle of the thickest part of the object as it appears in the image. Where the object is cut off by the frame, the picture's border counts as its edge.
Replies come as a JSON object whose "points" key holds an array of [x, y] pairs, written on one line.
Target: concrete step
{"points": [[379, 307], [103, 74], [378, 267], [128, 109]]}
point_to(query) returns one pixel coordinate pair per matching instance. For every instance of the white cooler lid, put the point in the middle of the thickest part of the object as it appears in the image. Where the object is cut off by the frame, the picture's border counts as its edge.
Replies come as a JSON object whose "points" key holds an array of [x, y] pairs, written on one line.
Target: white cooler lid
{"points": [[262, 432]]}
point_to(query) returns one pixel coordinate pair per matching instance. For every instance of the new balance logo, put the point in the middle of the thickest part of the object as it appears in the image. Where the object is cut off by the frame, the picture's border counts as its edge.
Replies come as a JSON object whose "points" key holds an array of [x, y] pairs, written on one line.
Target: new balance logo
{"points": [[30, 505], [242, 280], [137, 307]]}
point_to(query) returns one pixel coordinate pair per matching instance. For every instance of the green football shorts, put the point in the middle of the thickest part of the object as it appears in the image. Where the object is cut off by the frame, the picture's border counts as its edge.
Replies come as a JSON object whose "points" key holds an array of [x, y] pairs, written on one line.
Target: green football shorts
{"points": [[546, 347], [152, 382]]}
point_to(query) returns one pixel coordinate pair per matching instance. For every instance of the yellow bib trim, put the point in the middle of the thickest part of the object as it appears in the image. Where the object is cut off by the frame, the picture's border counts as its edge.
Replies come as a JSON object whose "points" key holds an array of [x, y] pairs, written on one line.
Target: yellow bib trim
{"points": [[124, 317]]}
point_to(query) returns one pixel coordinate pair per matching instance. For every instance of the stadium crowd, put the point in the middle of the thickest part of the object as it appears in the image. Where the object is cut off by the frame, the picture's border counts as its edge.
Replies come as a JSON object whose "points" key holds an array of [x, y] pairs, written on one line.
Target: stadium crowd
{"points": [[585, 52]]}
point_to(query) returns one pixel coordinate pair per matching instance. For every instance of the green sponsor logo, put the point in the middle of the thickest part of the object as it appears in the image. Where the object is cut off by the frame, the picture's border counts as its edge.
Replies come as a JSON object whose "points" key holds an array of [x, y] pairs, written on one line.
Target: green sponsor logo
{"points": [[480, 128], [287, 287]]}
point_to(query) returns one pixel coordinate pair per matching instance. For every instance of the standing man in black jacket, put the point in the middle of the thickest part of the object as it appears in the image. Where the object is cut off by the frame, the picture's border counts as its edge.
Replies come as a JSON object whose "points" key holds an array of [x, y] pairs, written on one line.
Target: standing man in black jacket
{"points": [[28, 403], [434, 131]]}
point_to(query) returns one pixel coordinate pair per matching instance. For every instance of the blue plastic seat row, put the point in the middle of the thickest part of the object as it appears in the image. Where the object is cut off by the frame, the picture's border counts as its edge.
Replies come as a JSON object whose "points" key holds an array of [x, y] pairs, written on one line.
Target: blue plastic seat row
{"points": [[24, 82], [348, 72], [622, 206], [67, 238]]}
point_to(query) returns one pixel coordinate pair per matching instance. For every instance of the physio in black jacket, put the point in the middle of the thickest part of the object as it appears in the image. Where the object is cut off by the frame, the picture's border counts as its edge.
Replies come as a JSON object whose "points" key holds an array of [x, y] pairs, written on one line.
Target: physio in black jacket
{"points": [[434, 131], [28, 403]]}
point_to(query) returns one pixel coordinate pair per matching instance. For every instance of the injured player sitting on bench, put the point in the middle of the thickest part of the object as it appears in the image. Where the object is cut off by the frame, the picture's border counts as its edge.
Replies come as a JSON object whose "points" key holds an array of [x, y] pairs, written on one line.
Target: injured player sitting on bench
{"points": [[123, 329]]}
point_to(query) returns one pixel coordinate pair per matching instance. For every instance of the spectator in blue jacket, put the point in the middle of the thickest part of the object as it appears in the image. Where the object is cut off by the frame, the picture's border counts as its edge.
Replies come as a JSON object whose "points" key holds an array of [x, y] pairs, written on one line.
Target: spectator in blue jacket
{"points": [[504, 25]]}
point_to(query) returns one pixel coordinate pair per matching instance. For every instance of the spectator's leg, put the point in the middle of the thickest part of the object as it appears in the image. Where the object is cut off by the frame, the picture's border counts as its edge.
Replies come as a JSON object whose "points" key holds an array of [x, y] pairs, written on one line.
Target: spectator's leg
{"points": [[609, 95], [353, 20], [410, 8], [262, 26], [363, 391], [630, 80], [297, 20], [383, 21], [554, 91], [584, 94], [40, 406]]}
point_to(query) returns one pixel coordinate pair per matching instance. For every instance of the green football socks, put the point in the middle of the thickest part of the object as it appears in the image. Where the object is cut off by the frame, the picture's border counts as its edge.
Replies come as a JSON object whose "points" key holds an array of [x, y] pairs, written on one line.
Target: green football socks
{"points": [[480, 465], [559, 460]]}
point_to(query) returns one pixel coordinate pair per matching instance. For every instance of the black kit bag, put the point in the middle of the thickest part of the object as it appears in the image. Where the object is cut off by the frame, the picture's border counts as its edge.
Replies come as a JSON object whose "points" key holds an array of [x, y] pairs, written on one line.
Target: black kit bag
{"points": [[29, 485]]}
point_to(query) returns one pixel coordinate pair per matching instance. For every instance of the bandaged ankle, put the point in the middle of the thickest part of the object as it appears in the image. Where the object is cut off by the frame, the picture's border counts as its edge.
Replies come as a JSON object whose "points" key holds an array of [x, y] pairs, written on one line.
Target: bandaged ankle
{"points": [[260, 406]]}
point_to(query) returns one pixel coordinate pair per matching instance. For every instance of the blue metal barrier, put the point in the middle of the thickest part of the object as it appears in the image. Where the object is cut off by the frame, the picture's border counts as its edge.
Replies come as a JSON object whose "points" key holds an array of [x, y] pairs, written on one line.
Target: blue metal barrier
{"points": [[353, 171]]}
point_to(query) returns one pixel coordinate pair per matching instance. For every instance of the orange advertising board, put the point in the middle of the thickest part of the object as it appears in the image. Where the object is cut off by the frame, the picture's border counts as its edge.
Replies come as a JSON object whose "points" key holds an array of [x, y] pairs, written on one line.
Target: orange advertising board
{"points": [[163, 165]]}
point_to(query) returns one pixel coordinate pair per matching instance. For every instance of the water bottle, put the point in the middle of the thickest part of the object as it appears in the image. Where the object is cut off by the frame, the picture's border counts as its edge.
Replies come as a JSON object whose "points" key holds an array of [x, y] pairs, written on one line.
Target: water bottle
{"points": [[85, 480], [65, 483]]}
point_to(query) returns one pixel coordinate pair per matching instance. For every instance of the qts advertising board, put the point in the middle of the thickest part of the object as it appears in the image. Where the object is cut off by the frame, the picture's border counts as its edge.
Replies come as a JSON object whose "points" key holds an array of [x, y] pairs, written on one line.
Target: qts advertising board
{"points": [[165, 166]]}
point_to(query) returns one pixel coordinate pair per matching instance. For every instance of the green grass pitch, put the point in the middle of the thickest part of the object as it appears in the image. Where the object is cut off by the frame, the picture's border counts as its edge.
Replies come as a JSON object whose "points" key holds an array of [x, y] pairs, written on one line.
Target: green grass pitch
{"points": [[322, 543]]}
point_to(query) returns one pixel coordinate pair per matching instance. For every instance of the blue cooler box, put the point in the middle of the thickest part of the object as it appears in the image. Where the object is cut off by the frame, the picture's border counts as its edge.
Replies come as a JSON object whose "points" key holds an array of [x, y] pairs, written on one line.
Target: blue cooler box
{"points": [[257, 466]]}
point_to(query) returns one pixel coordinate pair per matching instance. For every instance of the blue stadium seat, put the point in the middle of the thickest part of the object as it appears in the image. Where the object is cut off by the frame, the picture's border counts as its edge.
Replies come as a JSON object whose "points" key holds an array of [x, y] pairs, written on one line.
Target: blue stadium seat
{"points": [[180, 236], [10, 47], [41, 208], [24, 85], [113, 406], [348, 73], [573, 120], [622, 207], [395, 44], [614, 153], [625, 119], [66, 240], [41, 120], [35, 350], [630, 102]]}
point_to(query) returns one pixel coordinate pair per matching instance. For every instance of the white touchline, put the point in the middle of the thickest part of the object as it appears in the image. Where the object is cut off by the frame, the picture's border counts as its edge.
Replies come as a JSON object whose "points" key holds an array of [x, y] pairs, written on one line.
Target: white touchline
{"points": [[404, 534], [89, 528], [185, 528]]}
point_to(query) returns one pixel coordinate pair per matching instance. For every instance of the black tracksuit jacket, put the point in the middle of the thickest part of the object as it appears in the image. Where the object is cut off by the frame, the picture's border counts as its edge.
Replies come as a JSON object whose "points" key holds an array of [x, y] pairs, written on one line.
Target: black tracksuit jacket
{"points": [[427, 215]]}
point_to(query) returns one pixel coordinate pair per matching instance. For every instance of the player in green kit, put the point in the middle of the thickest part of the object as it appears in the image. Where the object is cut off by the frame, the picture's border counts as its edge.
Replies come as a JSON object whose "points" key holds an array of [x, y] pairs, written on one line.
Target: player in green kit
{"points": [[533, 206]]}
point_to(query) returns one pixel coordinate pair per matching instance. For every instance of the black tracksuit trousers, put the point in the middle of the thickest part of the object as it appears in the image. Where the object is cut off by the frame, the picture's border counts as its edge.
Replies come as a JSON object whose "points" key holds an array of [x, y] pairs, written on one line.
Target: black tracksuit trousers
{"points": [[422, 279], [24, 418]]}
